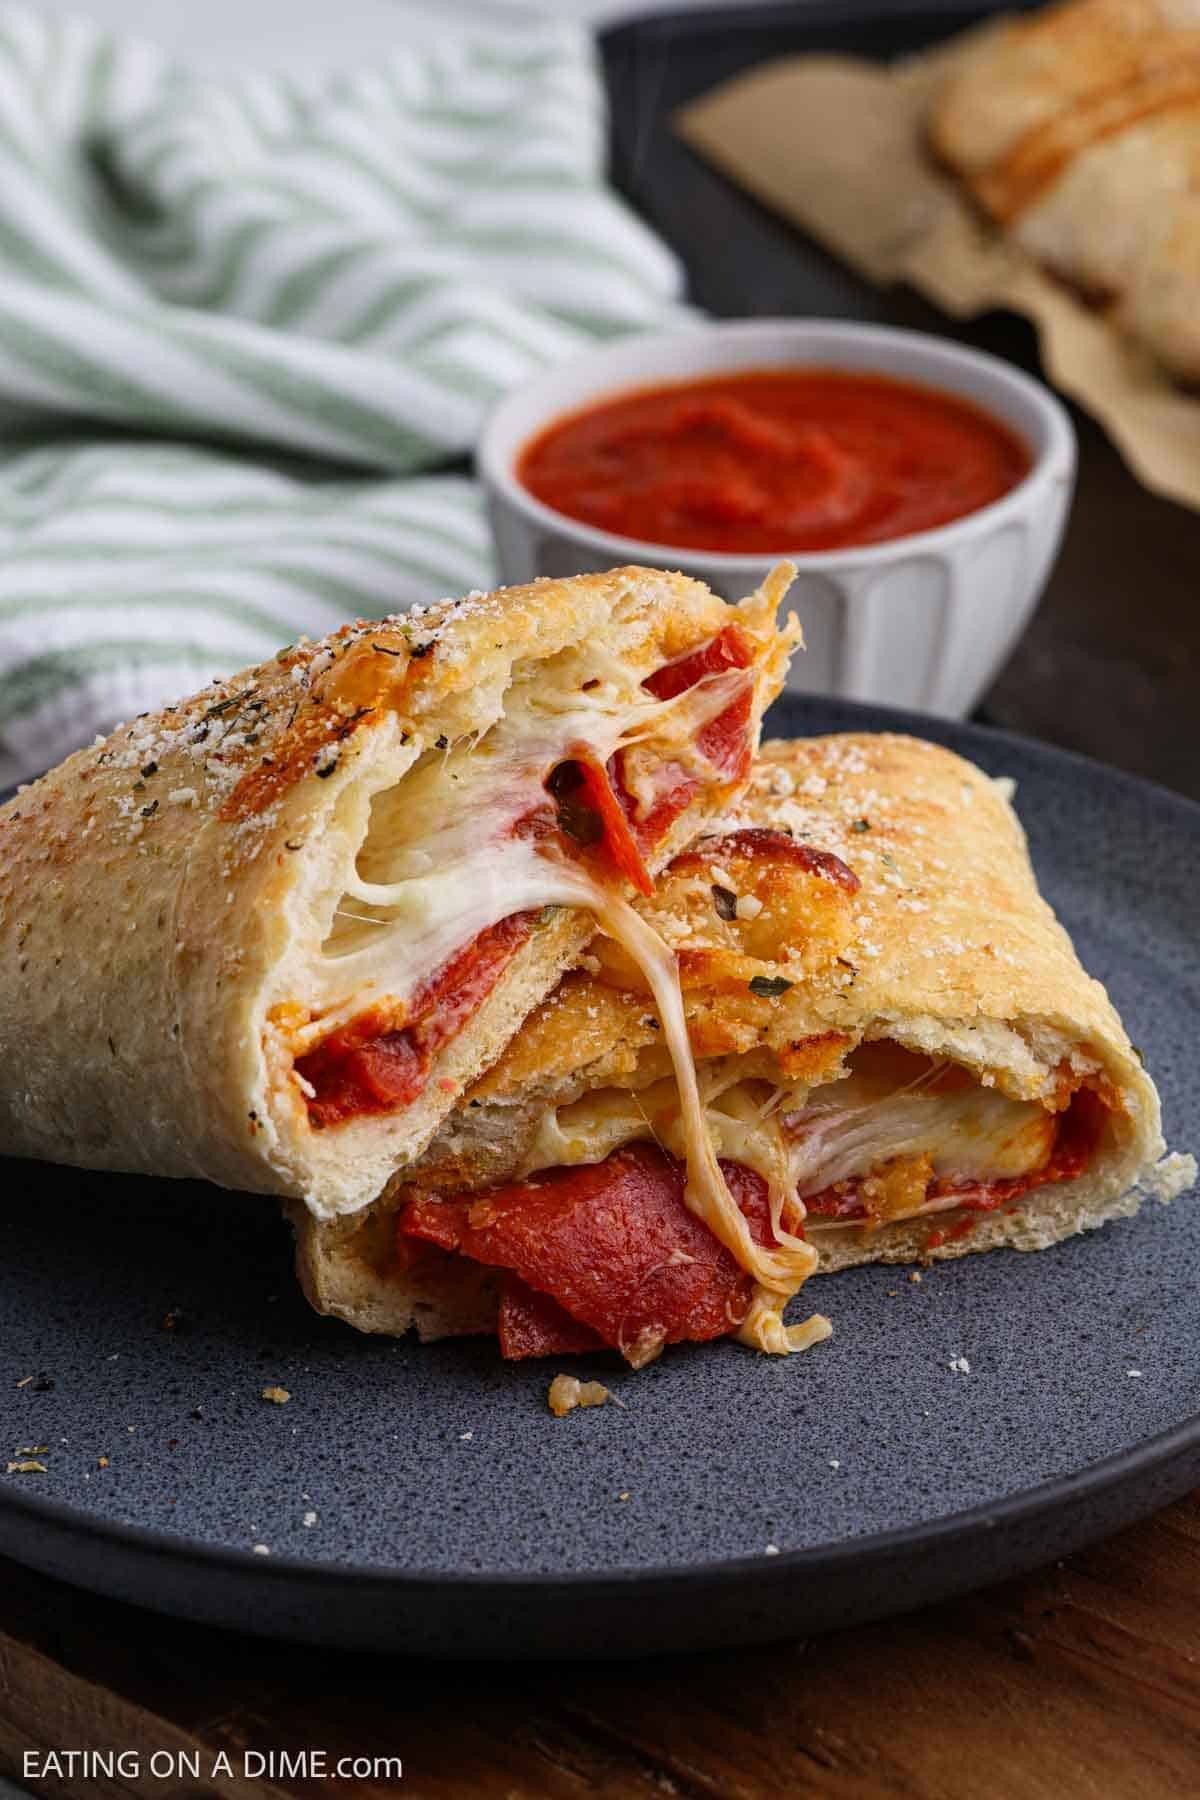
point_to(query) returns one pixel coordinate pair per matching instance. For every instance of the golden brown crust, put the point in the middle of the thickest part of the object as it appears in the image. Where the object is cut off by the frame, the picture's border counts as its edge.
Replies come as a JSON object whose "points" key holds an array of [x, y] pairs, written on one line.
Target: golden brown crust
{"points": [[952, 940], [748, 918], [154, 886], [945, 945]]}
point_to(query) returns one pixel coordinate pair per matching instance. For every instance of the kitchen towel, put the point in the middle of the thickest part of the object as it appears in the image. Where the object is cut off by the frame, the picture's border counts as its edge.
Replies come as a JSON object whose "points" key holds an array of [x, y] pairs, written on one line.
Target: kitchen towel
{"points": [[247, 325]]}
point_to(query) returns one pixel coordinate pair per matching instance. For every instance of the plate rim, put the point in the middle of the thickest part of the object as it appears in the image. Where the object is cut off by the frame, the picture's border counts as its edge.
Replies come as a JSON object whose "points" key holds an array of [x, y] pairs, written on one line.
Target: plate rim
{"points": [[1023, 1506], [1017, 1508]]}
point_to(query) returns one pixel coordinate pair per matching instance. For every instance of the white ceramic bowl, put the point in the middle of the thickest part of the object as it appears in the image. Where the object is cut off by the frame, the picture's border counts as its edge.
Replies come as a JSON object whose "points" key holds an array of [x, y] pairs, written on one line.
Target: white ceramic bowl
{"points": [[923, 621]]}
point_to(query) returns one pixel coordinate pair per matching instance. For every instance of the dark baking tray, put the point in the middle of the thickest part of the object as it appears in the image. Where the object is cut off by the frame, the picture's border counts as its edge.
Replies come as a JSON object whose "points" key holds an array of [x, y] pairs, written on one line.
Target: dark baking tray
{"points": [[1111, 663]]}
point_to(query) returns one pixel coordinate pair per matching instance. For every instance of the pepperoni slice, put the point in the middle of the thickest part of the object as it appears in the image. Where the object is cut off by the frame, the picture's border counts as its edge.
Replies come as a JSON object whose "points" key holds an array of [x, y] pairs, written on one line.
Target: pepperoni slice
{"points": [[532, 1324], [730, 649], [760, 840], [589, 811], [724, 740], [365, 1068], [613, 1244]]}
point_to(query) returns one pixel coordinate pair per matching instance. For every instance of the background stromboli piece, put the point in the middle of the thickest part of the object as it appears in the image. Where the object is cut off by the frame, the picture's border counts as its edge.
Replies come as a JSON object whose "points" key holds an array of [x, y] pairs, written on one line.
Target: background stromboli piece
{"points": [[209, 861], [931, 1000], [1077, 130]]}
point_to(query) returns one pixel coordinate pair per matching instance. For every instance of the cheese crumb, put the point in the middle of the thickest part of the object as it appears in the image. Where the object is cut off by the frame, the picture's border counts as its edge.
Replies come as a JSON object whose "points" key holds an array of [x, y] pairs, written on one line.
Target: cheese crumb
{"points": [[749, 906], [310, 1518], [960, 1365], [279, 1396], [771, 1550], [262, 1549], [1134, 1374], [566, 1393]]}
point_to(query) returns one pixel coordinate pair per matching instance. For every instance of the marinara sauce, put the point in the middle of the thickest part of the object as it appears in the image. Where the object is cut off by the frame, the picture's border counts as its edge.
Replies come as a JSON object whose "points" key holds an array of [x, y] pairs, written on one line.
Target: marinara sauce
{"points": [[774, 460]]}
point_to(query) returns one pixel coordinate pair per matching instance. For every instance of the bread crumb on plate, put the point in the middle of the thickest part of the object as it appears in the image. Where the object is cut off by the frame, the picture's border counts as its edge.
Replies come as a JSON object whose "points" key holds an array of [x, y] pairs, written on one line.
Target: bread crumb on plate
{"points": [[567, 1392]]}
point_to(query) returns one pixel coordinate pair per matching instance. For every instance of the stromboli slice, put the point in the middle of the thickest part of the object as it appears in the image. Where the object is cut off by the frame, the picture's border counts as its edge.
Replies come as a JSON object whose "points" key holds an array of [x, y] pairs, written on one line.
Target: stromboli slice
{"points": [[1036, 90], [269, 935], [1078, 131], [896, 1046], [741, 952]]}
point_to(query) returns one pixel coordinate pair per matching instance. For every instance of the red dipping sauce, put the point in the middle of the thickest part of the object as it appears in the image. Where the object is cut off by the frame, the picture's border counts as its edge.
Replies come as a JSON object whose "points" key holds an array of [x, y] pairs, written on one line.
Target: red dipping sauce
{"points": [[774, 460]]}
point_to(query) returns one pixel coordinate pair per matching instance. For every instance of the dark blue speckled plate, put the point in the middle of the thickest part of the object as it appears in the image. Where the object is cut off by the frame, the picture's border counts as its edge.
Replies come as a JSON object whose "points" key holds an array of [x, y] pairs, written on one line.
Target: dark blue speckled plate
{"points": [[426, 1500]]}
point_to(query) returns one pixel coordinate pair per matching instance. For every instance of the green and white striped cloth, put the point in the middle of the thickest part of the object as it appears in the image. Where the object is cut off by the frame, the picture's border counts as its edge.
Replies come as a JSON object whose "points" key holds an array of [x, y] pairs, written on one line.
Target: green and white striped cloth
{"points": [[244, 323]]}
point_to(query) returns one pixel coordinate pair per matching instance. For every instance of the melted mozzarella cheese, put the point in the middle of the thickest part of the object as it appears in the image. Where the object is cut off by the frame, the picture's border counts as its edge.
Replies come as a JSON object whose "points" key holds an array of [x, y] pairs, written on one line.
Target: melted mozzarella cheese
{"points": [[844, 1130], [970, 1132], [763, 1327], [441, 864]]}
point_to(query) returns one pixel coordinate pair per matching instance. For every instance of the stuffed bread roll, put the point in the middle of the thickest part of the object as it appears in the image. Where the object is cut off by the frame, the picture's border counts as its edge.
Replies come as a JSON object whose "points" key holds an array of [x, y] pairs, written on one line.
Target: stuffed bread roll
{"points": [[269, 935], [897, 1056], [1077, 129], [1036, 90]]}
